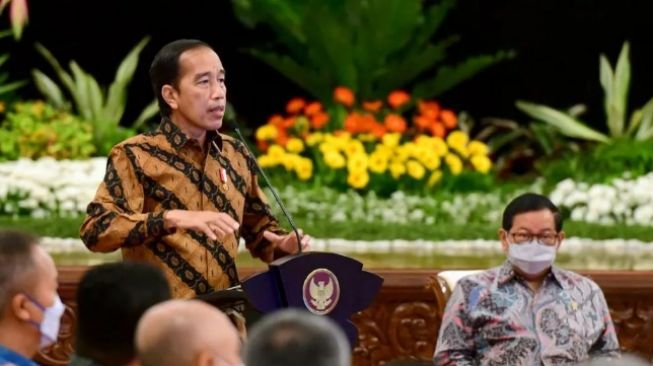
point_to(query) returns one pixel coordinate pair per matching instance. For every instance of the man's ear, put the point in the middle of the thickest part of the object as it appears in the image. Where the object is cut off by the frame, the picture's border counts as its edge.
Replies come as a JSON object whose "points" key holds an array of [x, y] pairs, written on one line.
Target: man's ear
{"points": [[205, 359], [561, 238], [503, 237], [170, 95], [18, 306]]}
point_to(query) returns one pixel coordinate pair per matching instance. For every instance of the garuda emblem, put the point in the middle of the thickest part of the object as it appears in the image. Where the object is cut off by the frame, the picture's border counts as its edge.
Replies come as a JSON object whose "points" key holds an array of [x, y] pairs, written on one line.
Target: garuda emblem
{"points": [[321, 291]]}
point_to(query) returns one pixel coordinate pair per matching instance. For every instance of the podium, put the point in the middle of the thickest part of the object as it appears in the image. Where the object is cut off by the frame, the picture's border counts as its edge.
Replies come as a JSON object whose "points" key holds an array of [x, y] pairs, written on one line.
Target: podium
{"points": [[326, 284]]}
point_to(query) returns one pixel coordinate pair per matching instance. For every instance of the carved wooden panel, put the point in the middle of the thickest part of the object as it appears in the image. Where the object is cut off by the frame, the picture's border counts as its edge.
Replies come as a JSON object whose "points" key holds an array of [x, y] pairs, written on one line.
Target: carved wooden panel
{"points": [[405, 317]]}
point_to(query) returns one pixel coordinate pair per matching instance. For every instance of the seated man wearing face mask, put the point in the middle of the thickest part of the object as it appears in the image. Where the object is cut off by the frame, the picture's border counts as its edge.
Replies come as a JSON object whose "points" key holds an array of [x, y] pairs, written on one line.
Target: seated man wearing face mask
{"points": [[30, 309], [526, 312]]}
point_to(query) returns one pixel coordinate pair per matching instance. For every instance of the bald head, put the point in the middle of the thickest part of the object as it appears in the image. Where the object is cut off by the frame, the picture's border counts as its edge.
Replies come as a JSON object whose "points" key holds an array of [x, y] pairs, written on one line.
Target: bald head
{"points": [[184, 333]]}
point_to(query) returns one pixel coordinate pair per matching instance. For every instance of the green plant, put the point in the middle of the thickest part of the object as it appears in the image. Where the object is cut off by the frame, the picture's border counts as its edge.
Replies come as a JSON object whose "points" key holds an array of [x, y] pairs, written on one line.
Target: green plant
{"points": [[615, 85], [36, 129], [7, 88], [372, 47], [103, 107]]}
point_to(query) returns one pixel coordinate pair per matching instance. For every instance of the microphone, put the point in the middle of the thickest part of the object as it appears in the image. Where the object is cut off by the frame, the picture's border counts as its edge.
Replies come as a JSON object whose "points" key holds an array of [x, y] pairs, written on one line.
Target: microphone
{"points": [[267, 181]]}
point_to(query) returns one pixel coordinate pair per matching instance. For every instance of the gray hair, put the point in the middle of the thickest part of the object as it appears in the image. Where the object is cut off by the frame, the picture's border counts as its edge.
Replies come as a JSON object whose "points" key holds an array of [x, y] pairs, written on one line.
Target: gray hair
{"points": [[16, 262], [293, 337]]}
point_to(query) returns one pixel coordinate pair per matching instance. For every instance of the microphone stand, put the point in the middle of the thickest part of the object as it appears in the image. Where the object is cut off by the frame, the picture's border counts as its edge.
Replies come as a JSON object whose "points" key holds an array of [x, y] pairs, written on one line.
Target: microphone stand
{"points": [[274, 191]]}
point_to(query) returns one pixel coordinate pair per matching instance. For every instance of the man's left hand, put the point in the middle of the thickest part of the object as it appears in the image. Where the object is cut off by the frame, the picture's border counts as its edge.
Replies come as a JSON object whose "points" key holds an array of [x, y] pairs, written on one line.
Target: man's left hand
{"points": [[288, 242]]}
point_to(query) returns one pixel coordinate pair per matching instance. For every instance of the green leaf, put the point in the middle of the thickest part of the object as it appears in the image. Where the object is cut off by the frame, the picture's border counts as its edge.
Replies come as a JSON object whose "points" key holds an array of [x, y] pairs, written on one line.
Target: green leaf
{"points": [[11, 86], [645, 130], [148, 112], [620, 89], [117, 95], [81, 93], [563, 122], [65, 77], [450, 76], [49, 89]]}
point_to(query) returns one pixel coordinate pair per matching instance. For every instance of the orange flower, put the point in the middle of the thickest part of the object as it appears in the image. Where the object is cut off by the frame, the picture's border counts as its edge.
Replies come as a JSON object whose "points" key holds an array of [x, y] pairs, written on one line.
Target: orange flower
{"points": [[373, 106], [282, 138], [319, 119], [423, 122], [262, 145], [430, 109], [295, 105], [437, 129], [398, 98], [352, 123], [288, 122], [448, 118], [313, 108], [344, 95], [276, 120], [395, 123], [377, 130]]}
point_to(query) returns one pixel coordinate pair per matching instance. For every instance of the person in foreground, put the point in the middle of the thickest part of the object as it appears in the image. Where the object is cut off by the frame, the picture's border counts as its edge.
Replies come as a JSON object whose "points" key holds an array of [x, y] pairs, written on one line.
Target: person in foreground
{"points": [[181, 196], [293, 337], [30, 308], [110, 300], [527, 311], [187, 333]]}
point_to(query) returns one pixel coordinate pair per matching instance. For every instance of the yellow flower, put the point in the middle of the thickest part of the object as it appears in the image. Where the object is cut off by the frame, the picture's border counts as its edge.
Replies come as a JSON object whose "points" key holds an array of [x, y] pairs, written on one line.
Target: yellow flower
{"points": [[354, 147], [397, 169], [277, 152], [461, 150], [481, 163], [457, 139], [267, 132], [357, 162], [454, 163], [304, 169], [327, 147], [391, 139], [334, 160], [441, 148], [366, 137], [431, 162], [295, 145], [358, 179], [415, 169], [267, 161], [435, 178], [290, 161], [477, 148], [378, 162], [314, 138]]}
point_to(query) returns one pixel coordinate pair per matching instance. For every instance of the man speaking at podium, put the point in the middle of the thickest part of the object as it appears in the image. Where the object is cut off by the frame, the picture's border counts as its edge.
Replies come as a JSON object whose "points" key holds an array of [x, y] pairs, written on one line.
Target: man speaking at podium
{"points": [[179, 197]]}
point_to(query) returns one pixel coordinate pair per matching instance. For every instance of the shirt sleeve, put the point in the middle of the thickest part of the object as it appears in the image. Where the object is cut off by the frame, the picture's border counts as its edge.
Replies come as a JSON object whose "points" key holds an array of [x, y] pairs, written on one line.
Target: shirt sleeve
{"points": [[115, 217], [257, 218], [607, 344], [455, 344]]}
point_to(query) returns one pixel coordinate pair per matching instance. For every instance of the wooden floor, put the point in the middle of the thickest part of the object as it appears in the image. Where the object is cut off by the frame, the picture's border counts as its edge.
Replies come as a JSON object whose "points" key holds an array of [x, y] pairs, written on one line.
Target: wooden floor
{"points": [[404, 319]]}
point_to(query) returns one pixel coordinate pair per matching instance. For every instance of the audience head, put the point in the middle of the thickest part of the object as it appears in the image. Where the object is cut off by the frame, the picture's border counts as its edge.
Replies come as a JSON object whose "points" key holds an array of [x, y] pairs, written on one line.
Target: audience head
{"points": [[30, 307], [185, 333], [111, 298], [293, 337]]}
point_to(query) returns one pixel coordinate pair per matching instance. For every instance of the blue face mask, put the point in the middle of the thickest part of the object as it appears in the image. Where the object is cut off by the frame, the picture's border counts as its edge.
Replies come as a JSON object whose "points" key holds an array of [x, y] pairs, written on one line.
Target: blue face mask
{"points": [[532, 257], [49, 326]]}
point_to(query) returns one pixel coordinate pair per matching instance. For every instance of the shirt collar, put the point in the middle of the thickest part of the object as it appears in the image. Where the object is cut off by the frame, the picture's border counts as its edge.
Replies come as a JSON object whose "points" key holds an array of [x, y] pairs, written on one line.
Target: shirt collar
{"points": [[507, 273], [10, 356], [178, 139]]}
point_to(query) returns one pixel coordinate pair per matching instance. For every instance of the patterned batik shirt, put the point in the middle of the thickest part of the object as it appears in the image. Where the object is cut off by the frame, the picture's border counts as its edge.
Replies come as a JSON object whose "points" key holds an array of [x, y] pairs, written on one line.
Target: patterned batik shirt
{"points": [[165, 170], [494, 318]]}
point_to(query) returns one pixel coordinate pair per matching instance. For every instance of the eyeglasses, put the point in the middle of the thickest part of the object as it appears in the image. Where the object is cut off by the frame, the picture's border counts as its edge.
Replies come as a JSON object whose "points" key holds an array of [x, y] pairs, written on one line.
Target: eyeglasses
{"points": [[524, 237]]}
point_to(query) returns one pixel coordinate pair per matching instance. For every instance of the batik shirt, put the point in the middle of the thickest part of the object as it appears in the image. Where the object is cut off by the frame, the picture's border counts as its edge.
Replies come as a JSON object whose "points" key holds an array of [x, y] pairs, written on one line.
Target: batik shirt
{"points": [[151, 173], [494, 318]]}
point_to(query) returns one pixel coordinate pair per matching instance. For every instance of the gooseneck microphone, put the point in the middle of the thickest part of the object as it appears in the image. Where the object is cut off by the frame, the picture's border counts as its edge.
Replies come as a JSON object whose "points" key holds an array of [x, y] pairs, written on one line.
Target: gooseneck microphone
{"points": [[267, 181]]}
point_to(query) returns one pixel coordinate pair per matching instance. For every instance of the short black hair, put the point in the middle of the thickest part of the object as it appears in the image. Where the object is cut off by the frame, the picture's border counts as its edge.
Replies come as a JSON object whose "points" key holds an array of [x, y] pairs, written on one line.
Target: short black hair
{"points": [[110, 300], [293, 337], [530, 202], [16, 260], [165, 68]]}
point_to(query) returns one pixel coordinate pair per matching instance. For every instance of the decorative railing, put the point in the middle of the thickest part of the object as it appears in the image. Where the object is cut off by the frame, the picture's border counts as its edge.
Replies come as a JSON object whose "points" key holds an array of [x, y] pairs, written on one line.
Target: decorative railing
{"points": [[404, 319]]}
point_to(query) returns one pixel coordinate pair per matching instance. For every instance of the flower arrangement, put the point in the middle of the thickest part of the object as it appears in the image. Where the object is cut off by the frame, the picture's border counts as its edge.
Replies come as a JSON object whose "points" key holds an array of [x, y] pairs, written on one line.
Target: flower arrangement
{"points": [[399, 143]]}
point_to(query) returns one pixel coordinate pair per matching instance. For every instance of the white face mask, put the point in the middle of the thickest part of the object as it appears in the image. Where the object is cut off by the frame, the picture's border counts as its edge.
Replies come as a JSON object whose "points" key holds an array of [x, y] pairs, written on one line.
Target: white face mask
{"points": [[49, 326], [532, 257]]}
